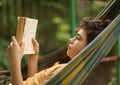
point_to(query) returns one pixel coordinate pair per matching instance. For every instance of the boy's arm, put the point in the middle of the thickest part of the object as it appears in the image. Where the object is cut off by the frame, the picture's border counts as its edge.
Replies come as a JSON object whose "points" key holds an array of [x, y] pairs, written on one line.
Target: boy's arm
{"points": [[15, 54], [15, 70], [33, 59]]}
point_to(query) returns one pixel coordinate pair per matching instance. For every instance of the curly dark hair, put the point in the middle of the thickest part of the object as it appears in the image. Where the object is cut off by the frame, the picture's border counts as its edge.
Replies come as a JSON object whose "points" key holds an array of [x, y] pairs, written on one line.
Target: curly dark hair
{"points": [[93, 27]]}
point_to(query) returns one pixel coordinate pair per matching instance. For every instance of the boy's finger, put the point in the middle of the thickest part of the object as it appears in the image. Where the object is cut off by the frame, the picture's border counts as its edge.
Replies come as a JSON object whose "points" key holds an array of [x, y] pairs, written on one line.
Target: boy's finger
{"points": [[14, 40], [35, 42], [23, 46]]}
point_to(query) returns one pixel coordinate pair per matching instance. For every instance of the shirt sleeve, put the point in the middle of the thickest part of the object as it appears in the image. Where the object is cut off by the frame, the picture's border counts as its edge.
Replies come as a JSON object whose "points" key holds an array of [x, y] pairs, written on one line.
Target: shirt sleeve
{"points": [[41, 77]]}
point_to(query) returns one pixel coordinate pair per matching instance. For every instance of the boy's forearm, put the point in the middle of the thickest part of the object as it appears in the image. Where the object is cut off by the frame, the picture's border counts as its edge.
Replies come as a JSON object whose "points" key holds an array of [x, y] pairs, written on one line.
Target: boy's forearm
{"points": [[16, 75], [32, 65]]}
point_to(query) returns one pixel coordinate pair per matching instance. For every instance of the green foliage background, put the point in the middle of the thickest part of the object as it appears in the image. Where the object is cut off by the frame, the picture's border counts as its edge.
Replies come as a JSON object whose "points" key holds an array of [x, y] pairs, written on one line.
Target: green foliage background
{"points": [[54, 27], [54, 16]]}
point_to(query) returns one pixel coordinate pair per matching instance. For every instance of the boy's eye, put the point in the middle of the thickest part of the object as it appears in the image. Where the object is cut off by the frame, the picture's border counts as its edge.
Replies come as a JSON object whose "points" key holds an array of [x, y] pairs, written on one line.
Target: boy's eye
{"points": [[77, 37]]}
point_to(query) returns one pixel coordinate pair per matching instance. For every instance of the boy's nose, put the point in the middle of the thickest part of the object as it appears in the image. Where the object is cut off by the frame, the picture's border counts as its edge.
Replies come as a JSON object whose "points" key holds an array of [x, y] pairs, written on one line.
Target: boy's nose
{"points": [[71, 40]]}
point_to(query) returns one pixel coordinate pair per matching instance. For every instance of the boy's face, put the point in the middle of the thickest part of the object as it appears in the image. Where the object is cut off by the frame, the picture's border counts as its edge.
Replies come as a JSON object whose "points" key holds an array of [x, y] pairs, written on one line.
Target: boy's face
{"points": [[77, 43]]}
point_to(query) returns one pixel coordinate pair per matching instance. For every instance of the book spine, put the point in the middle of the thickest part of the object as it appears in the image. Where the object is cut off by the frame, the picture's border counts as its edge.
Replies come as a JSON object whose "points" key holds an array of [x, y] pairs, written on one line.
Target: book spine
{"points": [[20, 29]]}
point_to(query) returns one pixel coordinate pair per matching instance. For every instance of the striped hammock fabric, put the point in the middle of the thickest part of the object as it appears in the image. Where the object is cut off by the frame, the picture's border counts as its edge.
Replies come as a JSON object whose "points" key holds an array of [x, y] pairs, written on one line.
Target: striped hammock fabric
{"points": [[110, 11], [78, 68]]}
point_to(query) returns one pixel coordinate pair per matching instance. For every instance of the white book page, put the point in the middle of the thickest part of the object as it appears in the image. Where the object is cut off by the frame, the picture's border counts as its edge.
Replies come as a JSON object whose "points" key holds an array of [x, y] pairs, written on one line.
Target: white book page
{"points": [[28, 34]]}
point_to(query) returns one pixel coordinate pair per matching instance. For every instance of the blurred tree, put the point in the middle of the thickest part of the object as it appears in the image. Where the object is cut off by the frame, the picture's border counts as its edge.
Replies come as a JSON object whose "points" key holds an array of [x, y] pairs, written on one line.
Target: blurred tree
{"points": [[54, 21]]}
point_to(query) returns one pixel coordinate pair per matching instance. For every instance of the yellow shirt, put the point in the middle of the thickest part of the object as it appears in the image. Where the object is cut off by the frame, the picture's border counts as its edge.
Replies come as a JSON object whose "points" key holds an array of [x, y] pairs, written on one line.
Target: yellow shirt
{"points": [[41, 77]]}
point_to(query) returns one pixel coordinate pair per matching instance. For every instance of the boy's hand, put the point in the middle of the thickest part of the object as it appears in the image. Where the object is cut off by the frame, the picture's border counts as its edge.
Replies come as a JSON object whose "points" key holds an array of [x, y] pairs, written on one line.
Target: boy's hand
{"points": [[15, 51]]}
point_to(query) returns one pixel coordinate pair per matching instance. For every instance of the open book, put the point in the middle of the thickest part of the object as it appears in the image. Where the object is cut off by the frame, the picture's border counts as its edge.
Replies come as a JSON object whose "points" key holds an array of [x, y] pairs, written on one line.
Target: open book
{"points": [[26, 30]]}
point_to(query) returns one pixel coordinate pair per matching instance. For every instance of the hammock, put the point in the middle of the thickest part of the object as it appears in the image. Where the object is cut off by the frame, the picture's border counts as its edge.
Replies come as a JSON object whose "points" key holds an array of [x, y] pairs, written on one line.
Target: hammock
{"points": [[79, 67], [111, 10]]}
